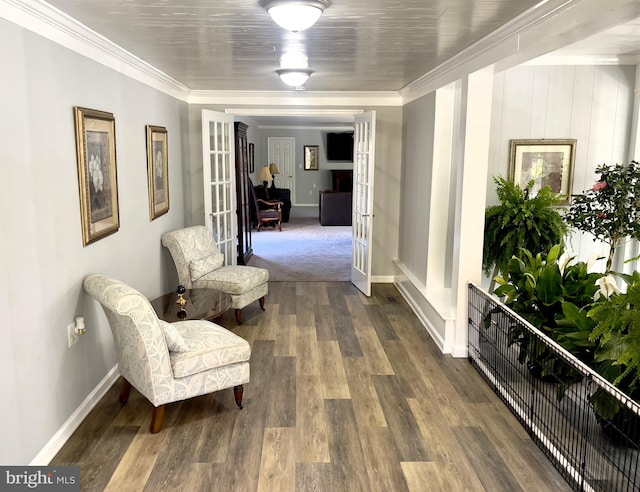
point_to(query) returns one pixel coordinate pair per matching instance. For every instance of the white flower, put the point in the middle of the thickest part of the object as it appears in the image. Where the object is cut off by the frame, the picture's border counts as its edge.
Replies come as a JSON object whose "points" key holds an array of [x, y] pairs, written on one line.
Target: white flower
{"points": [[608, 287], [593, 258], [564, 260]]}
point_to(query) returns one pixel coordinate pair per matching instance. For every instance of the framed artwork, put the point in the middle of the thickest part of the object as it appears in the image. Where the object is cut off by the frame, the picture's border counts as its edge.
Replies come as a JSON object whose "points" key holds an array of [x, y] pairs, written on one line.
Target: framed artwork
{"points": [[97, 177], [252, 162], [546, 162], [311, 157], [157, 171]]}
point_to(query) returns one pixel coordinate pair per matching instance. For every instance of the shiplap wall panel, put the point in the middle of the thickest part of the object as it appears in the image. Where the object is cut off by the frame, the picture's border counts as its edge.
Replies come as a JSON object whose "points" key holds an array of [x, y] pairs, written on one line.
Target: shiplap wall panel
{"points": [[592, 104], [539, 99], [560, 90]]}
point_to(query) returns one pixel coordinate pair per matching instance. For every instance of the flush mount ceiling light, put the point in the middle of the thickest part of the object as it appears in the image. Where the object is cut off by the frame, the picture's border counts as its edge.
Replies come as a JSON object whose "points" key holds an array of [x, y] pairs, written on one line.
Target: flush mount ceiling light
{"points": [[295, 15], [294, 77]]}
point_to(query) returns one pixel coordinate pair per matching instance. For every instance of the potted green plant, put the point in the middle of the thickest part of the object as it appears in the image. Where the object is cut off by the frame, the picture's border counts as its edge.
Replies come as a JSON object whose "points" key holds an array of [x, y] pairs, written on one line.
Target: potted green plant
{"points": [[521, 220], [549, 292], [617, 358], [610, 210]]}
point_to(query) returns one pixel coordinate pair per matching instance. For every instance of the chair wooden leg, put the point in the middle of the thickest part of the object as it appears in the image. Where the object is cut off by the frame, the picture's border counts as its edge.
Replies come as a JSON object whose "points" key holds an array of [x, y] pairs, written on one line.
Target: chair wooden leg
{"points": [[237, 393], [239, 316], [126, 389], [261, 301], [157, 418]]}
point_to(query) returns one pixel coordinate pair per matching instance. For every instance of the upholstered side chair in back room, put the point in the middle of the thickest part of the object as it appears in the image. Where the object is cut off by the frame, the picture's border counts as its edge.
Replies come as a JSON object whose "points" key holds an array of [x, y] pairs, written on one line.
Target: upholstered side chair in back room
{"points": [[267, 211], [200, 265], [168, 362]]}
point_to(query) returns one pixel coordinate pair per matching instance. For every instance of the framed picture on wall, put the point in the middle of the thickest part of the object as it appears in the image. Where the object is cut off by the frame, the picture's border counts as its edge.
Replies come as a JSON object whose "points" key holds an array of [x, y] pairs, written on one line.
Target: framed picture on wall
{"points": [[97, 177], [252, 161], [545, 162], [157, 170], [311, 157]]}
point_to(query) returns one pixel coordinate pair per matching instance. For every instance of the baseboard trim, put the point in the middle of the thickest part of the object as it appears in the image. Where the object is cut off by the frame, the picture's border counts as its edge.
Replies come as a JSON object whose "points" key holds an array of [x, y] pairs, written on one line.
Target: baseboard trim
{"points": [[383, 279], [44, 457], [415, 307]]}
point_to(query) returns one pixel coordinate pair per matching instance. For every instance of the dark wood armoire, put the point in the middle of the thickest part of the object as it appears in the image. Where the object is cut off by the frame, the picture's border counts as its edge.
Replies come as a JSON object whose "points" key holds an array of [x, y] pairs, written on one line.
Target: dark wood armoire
{"points": [[245, 249]]}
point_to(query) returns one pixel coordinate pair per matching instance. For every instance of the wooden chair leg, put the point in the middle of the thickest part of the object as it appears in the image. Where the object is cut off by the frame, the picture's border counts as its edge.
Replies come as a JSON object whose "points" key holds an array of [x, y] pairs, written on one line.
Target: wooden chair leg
{"points": [[126, 389], [237, 393], [157, 419], [239, 316], [261, 301]]}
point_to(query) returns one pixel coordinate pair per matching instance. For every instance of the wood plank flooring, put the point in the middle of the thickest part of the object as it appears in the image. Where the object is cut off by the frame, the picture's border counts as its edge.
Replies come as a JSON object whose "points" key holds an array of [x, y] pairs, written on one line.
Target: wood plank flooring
{"points": [[347, 393]]}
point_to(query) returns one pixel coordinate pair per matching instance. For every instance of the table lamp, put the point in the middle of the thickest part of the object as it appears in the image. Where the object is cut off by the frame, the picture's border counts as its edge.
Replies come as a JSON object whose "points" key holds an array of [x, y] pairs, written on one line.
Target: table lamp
{"points": [[273, 169], [264, 175]]}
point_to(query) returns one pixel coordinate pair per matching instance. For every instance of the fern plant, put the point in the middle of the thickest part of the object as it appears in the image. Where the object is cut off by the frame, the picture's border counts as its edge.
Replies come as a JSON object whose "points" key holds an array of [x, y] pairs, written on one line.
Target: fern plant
{"points": [[519, 221]]}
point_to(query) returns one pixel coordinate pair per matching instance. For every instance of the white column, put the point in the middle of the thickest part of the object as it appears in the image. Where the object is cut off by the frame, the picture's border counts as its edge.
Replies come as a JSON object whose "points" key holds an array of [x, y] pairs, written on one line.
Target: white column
{"points": [[472, 167]]}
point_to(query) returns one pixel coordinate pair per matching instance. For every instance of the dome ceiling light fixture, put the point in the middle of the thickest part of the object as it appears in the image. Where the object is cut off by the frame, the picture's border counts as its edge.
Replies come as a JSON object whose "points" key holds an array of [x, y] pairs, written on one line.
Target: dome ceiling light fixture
{"points": [[295, 15], [294, 77]]}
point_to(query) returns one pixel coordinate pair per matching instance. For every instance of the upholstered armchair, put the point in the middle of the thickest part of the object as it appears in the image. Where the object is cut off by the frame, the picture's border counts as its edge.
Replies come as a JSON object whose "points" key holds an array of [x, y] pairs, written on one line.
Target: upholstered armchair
{"points": [[200, 265], [168, 362], [266, 211]]}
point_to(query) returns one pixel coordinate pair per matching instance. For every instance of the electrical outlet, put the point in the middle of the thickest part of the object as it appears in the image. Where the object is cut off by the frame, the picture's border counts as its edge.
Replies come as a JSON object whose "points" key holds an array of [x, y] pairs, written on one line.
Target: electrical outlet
{"points": [[71, 334]]}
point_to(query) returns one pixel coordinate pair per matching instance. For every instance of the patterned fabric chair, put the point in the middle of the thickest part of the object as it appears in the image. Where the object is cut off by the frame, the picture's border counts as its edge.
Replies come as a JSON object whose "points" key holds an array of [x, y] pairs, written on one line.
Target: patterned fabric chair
{"points": [[168, 362], [199, 265]]}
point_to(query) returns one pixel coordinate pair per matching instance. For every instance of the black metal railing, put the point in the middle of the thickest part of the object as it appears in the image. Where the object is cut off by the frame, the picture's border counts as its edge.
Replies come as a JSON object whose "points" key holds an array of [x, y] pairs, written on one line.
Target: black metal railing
{"points": [[552, 393]]}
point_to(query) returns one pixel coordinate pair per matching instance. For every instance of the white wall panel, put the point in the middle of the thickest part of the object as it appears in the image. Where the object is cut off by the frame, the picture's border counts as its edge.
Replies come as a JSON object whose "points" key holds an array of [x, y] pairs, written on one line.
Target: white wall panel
{"points": [[592, 104]]}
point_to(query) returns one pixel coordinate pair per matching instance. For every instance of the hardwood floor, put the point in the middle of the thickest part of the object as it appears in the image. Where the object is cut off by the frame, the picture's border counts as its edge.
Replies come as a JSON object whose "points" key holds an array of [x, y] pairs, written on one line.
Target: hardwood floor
{"points": [[347, 393]]}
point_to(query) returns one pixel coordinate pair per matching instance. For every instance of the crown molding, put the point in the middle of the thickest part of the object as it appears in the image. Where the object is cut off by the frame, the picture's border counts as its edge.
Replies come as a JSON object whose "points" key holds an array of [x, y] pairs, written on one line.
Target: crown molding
{"points": [[525, 38], [584, 60], [296, 98], [47, 21], [292, 112]]}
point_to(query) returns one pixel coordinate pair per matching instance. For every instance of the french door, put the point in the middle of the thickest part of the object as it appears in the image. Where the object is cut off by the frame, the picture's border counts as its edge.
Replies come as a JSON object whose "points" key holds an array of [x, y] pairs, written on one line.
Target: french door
{"points": [[218, 168], [363, 166]]}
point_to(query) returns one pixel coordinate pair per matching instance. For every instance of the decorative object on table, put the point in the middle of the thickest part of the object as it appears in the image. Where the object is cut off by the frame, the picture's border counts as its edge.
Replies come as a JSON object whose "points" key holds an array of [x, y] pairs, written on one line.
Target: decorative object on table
{"points": [[273, 169], [181, 300], [264, 175], [311, 157], [97, 177], [209, 304], [157, 170], [252, 158], [546, 163]]}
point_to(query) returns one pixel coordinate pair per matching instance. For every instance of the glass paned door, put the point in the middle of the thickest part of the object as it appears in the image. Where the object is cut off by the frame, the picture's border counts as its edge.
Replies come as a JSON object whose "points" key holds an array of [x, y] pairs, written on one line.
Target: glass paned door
{"points": [[218, 171], [363, 166]]}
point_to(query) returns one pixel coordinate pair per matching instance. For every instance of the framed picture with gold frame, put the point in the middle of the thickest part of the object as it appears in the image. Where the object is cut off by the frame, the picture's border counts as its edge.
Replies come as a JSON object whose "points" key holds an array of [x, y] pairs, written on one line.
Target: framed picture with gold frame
{"points": [[157, 170], [548, 162], [97, 176], [311, 157]]}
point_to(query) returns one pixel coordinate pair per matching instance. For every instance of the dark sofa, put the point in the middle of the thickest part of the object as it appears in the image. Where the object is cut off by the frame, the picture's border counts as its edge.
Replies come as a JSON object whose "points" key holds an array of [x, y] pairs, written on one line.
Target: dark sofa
{"points": [[335, 208]]}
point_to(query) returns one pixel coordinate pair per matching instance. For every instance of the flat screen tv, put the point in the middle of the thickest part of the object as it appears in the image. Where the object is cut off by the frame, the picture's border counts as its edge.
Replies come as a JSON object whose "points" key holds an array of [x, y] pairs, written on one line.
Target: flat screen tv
{"points": [[340, 146]]}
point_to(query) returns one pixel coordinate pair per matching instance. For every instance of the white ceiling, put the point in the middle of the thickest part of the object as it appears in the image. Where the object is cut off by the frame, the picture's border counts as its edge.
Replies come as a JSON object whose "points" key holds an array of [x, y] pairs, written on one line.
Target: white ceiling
{"points": [[357, 45]]}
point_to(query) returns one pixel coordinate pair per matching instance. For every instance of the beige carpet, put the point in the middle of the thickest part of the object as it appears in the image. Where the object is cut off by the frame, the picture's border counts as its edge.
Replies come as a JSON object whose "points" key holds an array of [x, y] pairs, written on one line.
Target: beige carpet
{"points": [[304, 251]]}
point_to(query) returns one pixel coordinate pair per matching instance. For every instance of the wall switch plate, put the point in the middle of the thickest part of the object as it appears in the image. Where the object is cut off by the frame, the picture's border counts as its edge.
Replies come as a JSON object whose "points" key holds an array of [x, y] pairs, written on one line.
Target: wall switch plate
{"points": [[71, 334]]}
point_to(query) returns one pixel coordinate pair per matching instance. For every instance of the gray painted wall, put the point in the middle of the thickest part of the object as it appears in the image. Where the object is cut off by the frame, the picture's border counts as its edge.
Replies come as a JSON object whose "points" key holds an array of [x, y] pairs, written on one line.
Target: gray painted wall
{"points": [[417, 144], [43, 381], [307, 183]]}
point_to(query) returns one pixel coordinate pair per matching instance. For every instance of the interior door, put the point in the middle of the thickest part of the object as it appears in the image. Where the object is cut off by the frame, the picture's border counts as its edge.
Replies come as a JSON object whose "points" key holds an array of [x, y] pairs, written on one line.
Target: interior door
{"points": [[363, 166], [282, 151], [218, 169]]}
